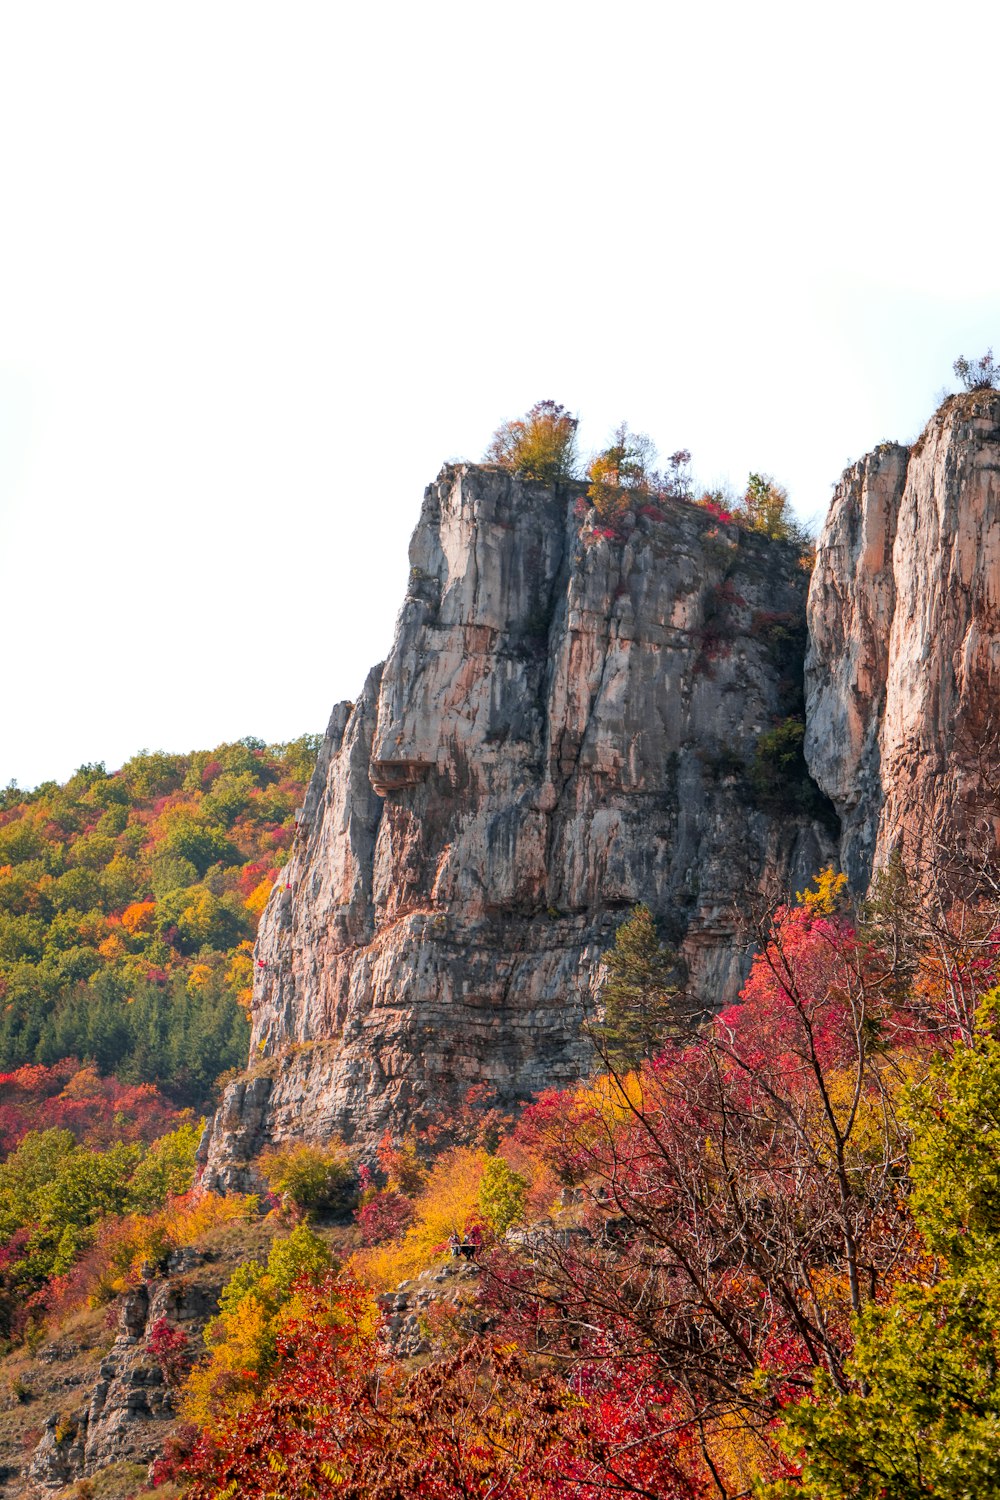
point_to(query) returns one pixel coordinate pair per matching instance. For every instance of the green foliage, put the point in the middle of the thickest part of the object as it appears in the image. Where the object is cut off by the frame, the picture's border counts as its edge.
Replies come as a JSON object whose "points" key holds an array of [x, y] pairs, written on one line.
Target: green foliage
{"points": [[503, 1194], [25, 1174], [540, 445], [779, 777], [124, 900], [299, 1254], [60, 1192], [312, 1179], [243, 1338], [765, 508], [921, 1414], [167, 1169], [955, 1152], [641, 997], [302, 1254]]}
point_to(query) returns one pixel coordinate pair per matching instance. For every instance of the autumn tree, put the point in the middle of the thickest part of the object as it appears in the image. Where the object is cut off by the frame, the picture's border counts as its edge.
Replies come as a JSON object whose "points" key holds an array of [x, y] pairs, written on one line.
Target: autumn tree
{"points": [[540, 445], [622, 474], [765, 507], [743, 1199], [340, 1418]]}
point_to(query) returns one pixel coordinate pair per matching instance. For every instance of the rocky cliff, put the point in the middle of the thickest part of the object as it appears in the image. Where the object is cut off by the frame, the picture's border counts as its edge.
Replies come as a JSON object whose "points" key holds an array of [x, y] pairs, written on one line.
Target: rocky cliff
{"points": [[563, 728], [903, 666]]}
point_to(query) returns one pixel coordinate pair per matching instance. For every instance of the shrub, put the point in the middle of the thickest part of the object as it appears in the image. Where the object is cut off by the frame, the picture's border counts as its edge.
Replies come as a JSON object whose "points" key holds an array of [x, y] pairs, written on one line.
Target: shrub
{"points": [[502, 1195], [169, 1346], [540, 445], [779, 777], [978, 374], [404, 1170], [312, 1179], [384, 1217], [448, 1203], [167, 1169], [243, 1338]]}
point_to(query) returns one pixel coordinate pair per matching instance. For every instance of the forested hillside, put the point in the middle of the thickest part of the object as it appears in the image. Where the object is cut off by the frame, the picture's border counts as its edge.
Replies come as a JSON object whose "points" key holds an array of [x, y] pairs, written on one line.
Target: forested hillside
{"points": [[128, 904]]}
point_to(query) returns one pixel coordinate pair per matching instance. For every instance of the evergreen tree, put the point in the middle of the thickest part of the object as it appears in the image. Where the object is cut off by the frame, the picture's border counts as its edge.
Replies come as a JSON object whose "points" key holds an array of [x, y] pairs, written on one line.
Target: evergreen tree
{"points": [[642, 1000]]}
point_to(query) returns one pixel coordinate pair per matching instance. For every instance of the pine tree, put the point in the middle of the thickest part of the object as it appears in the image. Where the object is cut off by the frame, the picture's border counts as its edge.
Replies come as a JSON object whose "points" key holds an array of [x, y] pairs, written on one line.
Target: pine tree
{"points": [[642, 998]]}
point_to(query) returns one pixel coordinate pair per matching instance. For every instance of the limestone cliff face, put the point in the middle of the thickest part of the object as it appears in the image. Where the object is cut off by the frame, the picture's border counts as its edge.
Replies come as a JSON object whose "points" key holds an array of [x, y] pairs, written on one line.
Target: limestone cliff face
{"points": [[904, 658], [852, 599], [560, 731]]}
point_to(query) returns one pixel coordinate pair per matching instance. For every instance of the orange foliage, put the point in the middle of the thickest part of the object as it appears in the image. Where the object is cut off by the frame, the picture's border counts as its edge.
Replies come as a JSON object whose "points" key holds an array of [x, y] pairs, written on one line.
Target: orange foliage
{"points": [[138, 918]]}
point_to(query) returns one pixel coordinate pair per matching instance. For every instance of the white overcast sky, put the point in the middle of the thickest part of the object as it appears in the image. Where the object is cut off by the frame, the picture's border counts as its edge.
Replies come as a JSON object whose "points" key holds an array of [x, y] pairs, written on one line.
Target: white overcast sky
{"points": [[264, 267]]}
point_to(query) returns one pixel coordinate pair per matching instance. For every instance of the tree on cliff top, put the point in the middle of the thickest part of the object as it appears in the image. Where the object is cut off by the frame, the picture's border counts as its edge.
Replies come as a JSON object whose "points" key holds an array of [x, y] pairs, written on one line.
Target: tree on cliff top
{"points": [[539, 445], [622, 474], [978, 374], [765, 508]]}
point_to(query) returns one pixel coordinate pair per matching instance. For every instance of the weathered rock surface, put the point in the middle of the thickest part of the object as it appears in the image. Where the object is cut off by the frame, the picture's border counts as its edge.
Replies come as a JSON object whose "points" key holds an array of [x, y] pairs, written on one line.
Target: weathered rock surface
{"points": [[904, 658], [560, 731], [130, 1409], [852, 599]]}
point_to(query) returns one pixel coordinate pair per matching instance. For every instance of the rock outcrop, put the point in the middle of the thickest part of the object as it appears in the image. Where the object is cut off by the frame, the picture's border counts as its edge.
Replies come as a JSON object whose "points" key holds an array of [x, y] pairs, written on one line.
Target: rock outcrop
{"points": [[130, 1409], [903, 668], [563, 728]]}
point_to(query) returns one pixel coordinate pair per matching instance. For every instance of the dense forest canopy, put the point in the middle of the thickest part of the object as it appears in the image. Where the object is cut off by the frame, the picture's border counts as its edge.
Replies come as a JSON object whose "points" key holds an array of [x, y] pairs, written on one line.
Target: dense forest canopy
{"points": [[128, 905]]}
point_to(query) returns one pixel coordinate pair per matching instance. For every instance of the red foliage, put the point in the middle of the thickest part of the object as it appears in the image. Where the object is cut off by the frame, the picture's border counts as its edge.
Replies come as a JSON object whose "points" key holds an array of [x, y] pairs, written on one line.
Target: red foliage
{"points": [[384, 1217], [170, 1347], [252, 874], [342, 1419], [97, 1110], [718, 511], [725, 593], [177, 1449]]}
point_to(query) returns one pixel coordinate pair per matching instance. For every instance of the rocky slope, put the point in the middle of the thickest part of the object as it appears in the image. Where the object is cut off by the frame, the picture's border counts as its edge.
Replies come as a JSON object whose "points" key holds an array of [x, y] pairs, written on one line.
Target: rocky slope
{"points": [[903, 665], [562, 729]]}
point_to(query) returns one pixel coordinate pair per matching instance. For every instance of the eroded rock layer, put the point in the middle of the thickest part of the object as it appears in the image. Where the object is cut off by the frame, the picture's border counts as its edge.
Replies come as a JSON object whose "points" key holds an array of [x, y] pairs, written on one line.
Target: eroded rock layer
{"points": [[562, 729], [903, 669]]}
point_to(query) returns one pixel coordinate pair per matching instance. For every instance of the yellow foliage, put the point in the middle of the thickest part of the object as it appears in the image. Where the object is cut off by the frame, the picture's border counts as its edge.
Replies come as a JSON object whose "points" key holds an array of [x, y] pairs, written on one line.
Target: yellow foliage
{"points": [[447, 1204], [129, 1243], [259, 896], [199, 976], [84, 1084], [613, 1099], [824, 900], [240, 970], [112, 947], [197, 917], [239, 974], [216, 1392], [738, 1451]]}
